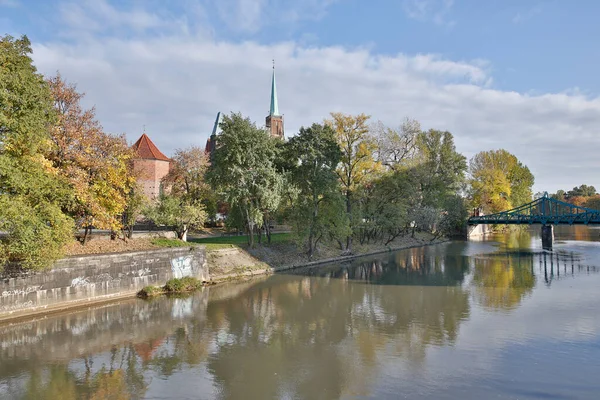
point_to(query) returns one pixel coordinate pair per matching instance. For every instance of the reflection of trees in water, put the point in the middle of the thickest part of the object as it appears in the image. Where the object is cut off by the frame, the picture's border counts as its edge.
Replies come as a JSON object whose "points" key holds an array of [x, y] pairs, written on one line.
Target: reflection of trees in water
{"points": [[501, 282], [516, 238], [324, 337], [121, 379], [428, 266]]}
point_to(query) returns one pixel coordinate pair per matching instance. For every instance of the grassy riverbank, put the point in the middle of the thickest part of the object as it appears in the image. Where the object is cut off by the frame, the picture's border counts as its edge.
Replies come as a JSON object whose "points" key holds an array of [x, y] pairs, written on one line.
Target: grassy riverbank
{"points": [[230, 257], [173, 286]]}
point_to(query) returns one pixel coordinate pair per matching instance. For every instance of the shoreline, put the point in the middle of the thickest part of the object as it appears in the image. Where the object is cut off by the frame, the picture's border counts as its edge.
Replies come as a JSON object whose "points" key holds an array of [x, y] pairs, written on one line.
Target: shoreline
{"points": [[217, 279], [271, 270]]}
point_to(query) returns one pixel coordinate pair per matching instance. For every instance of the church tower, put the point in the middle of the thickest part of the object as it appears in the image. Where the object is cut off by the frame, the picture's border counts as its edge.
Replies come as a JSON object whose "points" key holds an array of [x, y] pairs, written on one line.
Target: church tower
{"points": [[274, 120]]}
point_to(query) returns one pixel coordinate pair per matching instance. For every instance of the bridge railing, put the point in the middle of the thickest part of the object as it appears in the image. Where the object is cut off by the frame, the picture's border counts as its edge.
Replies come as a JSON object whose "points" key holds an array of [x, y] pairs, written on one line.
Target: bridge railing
{"points": [[544, 210]]}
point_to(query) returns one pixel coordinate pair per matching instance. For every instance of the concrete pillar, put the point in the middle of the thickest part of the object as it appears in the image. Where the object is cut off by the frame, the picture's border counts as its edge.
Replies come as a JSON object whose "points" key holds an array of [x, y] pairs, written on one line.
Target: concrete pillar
{"points": [[547, 236]]}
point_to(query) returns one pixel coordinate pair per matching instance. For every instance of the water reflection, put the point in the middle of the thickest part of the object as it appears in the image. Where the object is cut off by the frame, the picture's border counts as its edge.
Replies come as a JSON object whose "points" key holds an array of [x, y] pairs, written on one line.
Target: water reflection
{"points": [[410, 322]]}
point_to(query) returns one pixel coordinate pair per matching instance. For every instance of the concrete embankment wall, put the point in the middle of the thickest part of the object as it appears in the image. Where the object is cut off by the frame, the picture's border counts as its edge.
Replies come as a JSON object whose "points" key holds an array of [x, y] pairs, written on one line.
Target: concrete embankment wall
{"points": [[80, 280], [478, 231]]}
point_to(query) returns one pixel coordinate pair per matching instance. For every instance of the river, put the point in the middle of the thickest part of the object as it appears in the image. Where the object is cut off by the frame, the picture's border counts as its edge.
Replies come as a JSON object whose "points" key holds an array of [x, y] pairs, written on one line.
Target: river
{"points": [[499, 318]]}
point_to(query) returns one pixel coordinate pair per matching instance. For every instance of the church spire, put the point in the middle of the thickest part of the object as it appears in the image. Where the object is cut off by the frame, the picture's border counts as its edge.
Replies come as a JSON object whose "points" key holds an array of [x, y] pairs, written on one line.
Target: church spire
{"points": [[274, 105]]}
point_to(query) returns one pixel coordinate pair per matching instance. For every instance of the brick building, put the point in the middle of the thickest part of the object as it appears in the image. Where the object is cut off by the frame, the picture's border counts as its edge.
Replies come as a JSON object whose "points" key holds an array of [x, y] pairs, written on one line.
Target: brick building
{"points": [[150, 166]]}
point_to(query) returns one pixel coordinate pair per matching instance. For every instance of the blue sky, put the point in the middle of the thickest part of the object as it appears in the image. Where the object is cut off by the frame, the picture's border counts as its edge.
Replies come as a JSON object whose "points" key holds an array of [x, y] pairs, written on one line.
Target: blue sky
{"points": [[511, 74]]}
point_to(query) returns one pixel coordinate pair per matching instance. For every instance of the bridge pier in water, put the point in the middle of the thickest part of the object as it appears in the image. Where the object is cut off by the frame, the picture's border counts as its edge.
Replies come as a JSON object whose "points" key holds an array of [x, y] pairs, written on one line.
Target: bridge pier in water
{"points": [[547, 236]]}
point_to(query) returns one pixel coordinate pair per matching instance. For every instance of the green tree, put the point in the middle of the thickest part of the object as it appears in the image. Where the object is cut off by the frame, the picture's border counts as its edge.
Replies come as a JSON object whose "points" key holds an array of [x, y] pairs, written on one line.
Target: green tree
{"points": [[441, 168], [177, 212], [454, 217], [135, 204], [314, 155], [357, 164], [559, 195], [499, 181], [384, 205], [32, 193], [582, 191], [183, 207], [244, 171]]}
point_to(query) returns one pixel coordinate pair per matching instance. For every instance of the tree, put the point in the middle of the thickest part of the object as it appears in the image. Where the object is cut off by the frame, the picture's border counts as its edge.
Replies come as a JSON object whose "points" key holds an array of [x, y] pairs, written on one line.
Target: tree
{"points": [[135, 204], [183, 207], [384, 205], [454, 218], [499, 181], [243, 169], [186, 176], [395, 148], [314, 155], [593, 202], [96, 164], [357, 163], [559, 195], [32, 193], [179, 213], [441, 169], [582, 191]]}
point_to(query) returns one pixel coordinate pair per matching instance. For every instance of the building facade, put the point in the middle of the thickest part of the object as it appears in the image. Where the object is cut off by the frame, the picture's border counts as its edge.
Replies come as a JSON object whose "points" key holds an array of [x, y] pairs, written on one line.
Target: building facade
{"points": [[151, 166]]}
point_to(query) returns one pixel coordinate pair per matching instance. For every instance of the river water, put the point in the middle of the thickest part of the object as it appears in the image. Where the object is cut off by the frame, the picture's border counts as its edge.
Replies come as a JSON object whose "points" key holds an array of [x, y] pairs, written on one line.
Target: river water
{"points": [[499, 318]]}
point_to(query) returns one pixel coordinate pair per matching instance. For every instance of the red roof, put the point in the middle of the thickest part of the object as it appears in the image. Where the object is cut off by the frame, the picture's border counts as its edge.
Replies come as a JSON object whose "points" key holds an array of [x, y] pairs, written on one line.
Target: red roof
{"points": [[146, 149]]}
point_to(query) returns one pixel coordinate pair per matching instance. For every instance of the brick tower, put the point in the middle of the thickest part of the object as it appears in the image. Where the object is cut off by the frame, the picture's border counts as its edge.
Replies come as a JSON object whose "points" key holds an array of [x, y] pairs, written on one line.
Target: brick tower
{"points": [[274, 120], [150, 166]]}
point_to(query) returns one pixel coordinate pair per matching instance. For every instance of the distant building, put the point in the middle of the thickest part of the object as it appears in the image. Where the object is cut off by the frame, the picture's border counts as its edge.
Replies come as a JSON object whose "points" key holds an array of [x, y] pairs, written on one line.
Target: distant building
{"points": [[212, 140], [150, 167], [273, 121]]}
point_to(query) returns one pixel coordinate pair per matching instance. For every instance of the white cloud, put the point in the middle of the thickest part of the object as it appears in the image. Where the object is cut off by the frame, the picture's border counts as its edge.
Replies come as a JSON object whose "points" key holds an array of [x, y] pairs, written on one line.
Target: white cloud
{"points": [[175, 83], [435, 11]]}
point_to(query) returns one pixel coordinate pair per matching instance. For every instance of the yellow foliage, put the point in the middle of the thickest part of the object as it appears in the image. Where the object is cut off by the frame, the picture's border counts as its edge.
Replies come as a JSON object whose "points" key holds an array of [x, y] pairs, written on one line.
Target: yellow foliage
{"points": [[358, 164]]}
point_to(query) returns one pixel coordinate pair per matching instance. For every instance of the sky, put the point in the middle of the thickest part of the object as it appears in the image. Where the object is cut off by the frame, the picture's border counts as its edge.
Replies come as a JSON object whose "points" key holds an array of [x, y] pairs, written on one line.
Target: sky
{"points": [[514, 74]]}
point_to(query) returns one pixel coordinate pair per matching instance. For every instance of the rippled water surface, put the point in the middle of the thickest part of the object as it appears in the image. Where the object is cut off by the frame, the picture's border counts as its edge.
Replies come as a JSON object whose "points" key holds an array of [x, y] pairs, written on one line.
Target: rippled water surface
{"points": [[498, 319]]}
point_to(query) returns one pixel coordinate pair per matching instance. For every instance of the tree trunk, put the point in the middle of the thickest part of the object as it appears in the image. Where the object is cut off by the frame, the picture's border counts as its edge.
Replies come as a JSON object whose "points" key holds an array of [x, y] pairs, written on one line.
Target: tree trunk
{"points": [[349, 212], [266, 222], [86, 234], [250, 226], [184, 234]]}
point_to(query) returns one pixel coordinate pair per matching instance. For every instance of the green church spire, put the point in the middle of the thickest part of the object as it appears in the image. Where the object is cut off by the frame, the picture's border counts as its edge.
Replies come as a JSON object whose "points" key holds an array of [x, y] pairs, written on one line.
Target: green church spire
{"points": [[274, 106]]}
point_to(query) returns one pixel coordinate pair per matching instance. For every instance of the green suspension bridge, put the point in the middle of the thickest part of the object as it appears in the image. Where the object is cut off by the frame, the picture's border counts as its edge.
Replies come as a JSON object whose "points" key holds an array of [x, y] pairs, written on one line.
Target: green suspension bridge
{"points": [[544, 211]]}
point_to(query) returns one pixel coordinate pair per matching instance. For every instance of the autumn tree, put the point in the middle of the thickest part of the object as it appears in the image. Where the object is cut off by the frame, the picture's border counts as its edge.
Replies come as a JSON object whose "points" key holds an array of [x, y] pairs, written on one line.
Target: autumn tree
{"points": [[593, 202], [313, 156], [183, 208], [96, 164], [357, 164], [32, 192], [244, 171], [499, 181]]}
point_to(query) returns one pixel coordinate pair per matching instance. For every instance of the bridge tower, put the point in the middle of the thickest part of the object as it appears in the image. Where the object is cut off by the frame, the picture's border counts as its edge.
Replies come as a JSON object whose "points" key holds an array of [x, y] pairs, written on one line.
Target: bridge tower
{"points": [[547, 236]]}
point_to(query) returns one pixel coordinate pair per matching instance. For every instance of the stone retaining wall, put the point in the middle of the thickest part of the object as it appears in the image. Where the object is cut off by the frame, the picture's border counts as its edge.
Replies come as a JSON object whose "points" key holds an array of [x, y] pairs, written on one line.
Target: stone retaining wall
{"points": [[80, 280]]}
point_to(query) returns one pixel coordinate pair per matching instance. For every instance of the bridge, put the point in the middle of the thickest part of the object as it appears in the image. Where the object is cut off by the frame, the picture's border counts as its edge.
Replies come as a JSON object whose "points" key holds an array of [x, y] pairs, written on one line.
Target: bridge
{"points": [[544, 211]]}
